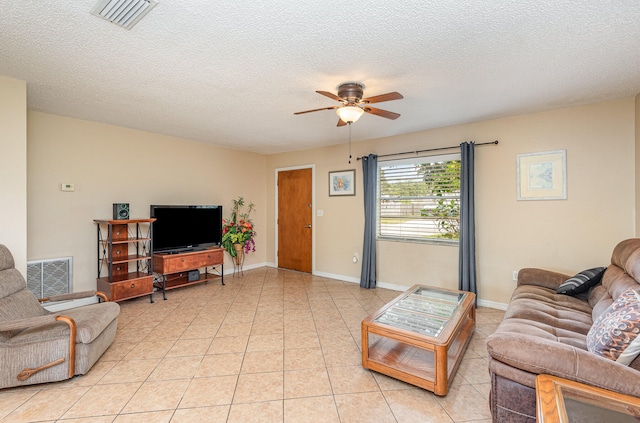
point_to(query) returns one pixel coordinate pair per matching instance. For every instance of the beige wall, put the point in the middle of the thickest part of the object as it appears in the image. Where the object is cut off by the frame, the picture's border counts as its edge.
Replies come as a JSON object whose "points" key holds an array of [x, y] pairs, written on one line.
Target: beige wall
{"points": [[637, 191], [111, 164], [13, 169], [107, 164], [566, 236]]}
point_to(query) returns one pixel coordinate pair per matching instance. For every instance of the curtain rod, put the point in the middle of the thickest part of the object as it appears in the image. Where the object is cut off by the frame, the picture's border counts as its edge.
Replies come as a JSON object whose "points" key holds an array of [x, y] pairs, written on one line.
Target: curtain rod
{"points": [[431, 149]]}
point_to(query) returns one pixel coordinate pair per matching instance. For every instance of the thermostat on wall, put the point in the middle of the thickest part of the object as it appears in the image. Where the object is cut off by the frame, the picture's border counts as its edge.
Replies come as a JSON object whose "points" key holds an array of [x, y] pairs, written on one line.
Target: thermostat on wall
{"points": [[65, 186]]}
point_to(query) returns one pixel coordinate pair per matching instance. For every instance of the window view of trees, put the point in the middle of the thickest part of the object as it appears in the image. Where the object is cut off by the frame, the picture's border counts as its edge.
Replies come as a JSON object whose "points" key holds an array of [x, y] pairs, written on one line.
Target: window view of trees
{"points": [[420, 199], [443, 181]]}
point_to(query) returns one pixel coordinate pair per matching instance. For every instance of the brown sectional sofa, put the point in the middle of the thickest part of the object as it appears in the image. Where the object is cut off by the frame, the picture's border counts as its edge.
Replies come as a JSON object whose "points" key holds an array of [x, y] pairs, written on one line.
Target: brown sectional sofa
{"points": [[544, 332]]}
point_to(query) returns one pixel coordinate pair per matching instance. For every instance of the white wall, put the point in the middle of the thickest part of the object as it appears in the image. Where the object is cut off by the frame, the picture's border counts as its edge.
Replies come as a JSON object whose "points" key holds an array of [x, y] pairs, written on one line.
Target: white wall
{"points": [[13, 169]]}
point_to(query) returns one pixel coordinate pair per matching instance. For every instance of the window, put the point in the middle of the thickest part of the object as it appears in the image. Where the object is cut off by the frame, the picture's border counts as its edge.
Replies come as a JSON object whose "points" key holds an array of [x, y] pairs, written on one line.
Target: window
{"points": [[419, 199]]}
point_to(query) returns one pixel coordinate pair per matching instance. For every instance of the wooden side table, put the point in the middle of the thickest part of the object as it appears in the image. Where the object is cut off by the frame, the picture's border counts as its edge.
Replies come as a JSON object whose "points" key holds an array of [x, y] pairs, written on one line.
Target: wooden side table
{"points": [[560, 400]]}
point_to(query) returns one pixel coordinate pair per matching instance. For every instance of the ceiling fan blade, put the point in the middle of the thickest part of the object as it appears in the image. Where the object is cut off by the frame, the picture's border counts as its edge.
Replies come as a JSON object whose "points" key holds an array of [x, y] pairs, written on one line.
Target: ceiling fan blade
{"points": [[330, 95], [341, 122], [382, 97], [380, 112], [316, 110]]}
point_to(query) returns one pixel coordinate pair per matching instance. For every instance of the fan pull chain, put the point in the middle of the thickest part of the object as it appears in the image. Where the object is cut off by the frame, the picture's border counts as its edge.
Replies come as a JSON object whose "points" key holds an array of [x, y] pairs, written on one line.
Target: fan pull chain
{"points": [[349, 142]]}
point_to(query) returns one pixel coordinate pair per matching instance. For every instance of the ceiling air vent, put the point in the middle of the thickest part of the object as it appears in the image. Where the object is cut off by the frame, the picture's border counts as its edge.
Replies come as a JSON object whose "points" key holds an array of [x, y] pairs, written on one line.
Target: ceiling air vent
{"points": [[124, 13]]}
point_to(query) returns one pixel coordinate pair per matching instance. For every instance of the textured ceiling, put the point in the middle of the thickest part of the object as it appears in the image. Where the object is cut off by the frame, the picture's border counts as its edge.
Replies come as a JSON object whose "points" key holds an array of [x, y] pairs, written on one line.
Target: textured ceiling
{"points": [[233, 72]]}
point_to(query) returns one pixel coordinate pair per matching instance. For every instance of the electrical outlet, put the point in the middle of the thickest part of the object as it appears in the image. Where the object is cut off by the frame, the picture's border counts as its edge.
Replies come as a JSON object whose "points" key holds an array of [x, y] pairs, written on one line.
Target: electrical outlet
{"points": [[515, 275], [356, 257]]}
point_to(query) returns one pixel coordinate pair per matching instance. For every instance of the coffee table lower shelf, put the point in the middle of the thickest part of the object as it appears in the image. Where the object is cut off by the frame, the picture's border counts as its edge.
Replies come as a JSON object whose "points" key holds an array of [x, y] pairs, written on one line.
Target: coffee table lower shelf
{"points": [[403, 362]]}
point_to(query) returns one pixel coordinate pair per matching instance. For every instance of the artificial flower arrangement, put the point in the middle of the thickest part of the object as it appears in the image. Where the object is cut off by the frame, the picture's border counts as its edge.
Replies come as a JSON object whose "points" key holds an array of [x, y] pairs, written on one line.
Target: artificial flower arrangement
{"points": [[238, 229]]}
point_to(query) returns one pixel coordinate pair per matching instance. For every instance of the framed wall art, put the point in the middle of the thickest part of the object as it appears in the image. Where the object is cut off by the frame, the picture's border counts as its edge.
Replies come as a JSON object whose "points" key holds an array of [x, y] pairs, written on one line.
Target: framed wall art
{"points": [[342, 182], [542, 176]]}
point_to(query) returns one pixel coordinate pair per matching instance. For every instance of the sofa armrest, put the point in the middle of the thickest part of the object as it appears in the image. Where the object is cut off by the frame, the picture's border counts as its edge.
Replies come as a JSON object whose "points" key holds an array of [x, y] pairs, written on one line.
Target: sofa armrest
{"points": [[541, 277], [27, 323], [544, 356], [75, 296]]}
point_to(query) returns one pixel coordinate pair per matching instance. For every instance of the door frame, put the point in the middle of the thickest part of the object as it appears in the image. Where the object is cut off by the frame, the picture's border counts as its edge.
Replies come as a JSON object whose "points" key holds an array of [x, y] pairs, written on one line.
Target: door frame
{"points": [[313, 211]]}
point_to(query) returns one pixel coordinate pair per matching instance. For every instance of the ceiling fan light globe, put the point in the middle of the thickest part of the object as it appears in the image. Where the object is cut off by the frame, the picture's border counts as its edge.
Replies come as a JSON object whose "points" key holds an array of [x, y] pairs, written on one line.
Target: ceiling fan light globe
{"points": [[349, 114]]}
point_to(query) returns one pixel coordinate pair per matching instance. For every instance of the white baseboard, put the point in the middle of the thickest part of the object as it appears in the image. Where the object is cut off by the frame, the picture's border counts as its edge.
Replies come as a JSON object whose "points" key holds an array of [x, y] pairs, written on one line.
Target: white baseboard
{"points": [[392, 286], [492, 304], [352, 279], [228, 268], [337, 277], [385, 285], [402, 288]]}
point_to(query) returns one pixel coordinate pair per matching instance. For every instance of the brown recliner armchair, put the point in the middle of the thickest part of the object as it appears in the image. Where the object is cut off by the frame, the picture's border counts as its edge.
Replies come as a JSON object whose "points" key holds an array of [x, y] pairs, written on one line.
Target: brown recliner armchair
{"points": [[38, 346]]}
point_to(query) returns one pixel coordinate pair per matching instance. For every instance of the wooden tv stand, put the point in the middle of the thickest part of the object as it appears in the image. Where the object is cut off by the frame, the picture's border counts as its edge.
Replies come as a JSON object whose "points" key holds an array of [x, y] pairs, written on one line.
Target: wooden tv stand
{"points": [[174, 268]]}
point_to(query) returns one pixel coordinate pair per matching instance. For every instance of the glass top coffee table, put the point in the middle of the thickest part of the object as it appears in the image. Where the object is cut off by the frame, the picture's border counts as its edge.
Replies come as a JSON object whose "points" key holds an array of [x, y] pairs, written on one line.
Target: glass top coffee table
{"points": [[560, 400], [420, 337]]}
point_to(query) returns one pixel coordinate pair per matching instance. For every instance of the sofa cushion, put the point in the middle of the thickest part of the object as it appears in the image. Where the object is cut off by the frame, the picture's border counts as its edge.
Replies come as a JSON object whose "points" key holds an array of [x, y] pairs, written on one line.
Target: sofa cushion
{"points": [[545, 306], [616, 280], [581, 282], [614, 334], [543, 331], [542, 313]]}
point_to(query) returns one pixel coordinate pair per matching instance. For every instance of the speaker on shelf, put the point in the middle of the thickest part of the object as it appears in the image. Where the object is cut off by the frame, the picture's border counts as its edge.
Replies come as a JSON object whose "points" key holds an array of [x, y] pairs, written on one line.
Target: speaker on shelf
{"points": [[120, 211]]}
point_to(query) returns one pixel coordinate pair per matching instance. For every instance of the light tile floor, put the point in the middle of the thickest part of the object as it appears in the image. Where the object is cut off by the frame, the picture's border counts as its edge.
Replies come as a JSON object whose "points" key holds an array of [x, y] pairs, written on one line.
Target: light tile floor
{"points": [[271, 346]]}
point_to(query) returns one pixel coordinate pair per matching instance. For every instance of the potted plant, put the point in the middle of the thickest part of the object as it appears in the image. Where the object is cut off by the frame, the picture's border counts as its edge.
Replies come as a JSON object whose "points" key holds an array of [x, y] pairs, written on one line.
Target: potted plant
{"points": [[238, 232]]}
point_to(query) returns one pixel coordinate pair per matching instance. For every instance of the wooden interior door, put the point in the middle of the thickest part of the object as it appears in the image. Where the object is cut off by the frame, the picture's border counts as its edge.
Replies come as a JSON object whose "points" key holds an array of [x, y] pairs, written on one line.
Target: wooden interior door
{"points": [[294, 219]]}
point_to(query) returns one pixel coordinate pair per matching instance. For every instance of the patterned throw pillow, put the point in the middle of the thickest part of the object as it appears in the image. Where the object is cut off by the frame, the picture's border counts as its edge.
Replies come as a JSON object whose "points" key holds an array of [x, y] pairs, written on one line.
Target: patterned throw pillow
{"points": [[614, 334], [581, 282]]}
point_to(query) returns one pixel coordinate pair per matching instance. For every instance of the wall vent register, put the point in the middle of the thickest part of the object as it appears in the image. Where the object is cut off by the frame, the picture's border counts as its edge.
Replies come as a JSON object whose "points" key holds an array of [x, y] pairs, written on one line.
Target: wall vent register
{"points": [[46, 278], [124, 13]]}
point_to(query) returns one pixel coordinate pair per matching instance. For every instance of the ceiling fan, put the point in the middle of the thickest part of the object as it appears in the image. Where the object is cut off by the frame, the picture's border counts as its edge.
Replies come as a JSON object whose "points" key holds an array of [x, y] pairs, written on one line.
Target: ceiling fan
{"points": [[353, 105]]}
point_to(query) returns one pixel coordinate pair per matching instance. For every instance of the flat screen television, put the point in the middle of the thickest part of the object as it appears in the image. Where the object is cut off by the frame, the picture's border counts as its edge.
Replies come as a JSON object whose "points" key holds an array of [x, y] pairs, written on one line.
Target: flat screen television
{"points": [[185, 228]]}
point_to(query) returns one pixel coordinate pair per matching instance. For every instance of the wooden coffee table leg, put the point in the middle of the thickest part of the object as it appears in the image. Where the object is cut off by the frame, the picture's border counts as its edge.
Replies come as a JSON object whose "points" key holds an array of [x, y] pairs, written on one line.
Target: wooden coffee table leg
{"points": [[441, 367], [365, 345]]}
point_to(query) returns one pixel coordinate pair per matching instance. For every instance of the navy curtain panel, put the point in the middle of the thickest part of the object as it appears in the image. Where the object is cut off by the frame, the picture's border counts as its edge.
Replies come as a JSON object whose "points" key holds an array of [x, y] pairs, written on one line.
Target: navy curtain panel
{"points": [[467, 243], [369, 179]]}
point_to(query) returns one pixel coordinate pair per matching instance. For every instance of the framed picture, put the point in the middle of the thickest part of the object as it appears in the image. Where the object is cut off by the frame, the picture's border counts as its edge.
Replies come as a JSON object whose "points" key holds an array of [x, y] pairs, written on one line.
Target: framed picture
{"points": [[542, 176], [342, 182]]}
